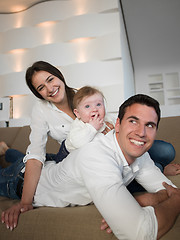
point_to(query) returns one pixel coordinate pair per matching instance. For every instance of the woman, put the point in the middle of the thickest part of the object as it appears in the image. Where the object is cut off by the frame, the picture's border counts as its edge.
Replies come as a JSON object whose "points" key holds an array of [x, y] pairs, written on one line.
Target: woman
{"points": [[52, 116]]}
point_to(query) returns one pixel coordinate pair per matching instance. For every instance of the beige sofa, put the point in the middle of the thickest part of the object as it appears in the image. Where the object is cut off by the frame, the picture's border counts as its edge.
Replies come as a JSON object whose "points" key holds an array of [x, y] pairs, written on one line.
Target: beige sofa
{"points": [[78, 223]]}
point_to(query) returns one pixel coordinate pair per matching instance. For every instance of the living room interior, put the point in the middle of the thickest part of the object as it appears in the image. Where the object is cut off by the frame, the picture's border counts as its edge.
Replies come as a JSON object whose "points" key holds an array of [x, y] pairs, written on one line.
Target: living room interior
{"points": [[122, 47]]}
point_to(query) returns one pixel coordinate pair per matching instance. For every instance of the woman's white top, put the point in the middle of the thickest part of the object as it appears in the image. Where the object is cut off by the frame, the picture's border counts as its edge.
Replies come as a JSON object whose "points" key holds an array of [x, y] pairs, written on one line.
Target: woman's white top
{"points": [[46, 120]]}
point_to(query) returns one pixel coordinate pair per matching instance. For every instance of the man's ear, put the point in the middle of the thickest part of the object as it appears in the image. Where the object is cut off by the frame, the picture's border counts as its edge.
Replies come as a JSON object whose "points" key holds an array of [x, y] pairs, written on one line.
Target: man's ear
{"points": [[76, 113], [117, 125]]}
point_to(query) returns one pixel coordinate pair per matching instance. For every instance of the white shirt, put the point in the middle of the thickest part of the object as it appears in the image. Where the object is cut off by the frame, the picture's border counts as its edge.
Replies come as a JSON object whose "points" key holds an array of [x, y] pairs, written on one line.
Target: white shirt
{"points": [[98, 172], [80, 134], [46, 120]]}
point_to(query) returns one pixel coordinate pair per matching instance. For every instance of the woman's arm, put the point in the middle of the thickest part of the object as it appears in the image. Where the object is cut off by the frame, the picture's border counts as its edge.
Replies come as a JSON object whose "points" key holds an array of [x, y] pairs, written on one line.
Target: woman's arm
{"points": [[31, 178]]}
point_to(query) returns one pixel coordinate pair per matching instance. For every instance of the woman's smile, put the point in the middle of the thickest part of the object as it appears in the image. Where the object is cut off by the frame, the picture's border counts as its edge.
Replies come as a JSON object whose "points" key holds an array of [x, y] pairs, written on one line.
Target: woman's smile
{"points": [[55, 92]]}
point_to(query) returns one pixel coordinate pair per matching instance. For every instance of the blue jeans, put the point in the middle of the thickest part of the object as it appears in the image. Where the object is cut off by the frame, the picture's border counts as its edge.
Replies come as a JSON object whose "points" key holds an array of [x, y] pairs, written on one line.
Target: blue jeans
{"points": [[63, 152], [12, 155], [11, 178], [162, 153]]}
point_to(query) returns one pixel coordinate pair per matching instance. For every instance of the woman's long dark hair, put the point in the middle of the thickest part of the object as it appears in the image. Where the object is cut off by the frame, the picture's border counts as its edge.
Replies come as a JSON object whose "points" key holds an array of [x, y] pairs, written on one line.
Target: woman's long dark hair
{"points": [[45, 66]]}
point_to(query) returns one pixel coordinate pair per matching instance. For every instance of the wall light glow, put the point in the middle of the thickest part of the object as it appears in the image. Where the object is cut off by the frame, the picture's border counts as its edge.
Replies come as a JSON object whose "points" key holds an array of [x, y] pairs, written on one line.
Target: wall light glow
{"points": [[80, 7], [48, 36], [17, 114], [82, 54], [17, 51], [82, 57], [18, 54], [19, 8], [16, 105], [46, 24], [19, 22], [81, 40]]}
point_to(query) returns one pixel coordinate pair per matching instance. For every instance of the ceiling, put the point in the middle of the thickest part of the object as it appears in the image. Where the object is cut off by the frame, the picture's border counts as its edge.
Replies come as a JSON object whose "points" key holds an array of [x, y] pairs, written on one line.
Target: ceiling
{"points": [[13, 6]]}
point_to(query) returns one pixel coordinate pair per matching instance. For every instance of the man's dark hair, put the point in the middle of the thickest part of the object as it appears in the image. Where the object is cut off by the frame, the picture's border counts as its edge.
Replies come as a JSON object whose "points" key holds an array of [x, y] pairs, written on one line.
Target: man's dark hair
{"points": [[140, 99]]}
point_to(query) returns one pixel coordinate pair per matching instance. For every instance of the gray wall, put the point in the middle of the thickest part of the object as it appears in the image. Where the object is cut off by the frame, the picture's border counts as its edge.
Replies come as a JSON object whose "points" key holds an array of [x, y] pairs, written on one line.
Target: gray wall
{"points": [[154, 38]]}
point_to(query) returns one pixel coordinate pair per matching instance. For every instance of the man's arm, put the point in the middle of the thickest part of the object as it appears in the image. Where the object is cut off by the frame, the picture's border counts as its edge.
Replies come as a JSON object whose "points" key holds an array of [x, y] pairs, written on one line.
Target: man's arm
{"points": [[144, 199], [168, 210], [166, 204], [151, 199], [102, 177], [149, 176]]}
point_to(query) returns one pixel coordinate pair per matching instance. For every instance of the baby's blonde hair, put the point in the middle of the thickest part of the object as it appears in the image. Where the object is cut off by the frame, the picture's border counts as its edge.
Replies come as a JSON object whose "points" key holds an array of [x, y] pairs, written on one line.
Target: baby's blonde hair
{"points": [[83, 92]]}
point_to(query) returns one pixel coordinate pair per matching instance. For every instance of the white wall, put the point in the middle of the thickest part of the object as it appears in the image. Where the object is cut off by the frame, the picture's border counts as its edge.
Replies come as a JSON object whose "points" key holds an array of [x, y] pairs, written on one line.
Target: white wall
{"points": [[154, 38], [128, 72], [83, 38]]}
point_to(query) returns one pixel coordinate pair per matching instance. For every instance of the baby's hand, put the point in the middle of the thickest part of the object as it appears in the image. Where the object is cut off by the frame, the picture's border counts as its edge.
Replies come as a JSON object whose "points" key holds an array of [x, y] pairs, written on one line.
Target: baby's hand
{"points": [[96, 122]]}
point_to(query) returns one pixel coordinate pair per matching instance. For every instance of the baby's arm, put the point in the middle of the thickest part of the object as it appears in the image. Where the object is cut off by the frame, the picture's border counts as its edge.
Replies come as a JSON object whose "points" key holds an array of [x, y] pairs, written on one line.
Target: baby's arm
{"points": [[80, 134]]}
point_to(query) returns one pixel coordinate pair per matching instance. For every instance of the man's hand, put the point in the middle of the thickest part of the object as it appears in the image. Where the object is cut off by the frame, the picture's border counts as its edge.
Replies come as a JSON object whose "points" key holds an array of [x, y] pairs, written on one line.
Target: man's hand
{"points": [[104, 226], [11, 215], [171, 190], [108, 128]]}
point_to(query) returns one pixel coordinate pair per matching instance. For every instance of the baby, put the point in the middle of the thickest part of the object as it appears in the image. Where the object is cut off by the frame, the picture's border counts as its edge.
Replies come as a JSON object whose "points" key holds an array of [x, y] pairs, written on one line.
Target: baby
{"points": [[89, 109]]}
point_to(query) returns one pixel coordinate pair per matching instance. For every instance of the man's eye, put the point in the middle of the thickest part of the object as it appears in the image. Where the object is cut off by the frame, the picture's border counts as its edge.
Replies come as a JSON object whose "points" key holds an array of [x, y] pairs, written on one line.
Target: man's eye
{"points": [[87, 106], [133, 121], [150, 125]]}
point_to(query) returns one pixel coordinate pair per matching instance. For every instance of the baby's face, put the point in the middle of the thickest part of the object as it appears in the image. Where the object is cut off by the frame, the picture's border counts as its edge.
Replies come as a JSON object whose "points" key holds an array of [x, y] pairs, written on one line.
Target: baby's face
{"points": [[90, 107]]}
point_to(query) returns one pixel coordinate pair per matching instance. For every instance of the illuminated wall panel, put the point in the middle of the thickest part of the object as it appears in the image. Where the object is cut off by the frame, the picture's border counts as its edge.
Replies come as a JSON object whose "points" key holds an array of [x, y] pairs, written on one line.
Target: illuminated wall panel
{"points": [[81, 37]]}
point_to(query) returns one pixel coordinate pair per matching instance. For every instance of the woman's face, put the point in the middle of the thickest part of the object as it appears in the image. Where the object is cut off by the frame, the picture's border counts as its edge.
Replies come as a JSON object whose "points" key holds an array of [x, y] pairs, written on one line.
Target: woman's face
{"points": [[49, 86]]}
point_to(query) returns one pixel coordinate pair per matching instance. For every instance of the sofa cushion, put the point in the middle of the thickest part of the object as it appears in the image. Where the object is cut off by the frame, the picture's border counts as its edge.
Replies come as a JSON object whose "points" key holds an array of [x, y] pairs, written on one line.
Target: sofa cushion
{"points": [[169, 131], [8, 135], [78, 223], [22, 139], [70, 223]]}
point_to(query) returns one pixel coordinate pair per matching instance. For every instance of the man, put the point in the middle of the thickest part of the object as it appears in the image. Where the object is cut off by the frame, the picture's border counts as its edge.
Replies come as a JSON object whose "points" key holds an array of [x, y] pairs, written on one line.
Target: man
{"points": [[113, 162]]}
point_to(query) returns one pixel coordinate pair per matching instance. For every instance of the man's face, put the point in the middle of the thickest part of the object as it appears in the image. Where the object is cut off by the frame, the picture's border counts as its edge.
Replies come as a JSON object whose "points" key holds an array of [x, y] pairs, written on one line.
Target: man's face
{"points": [[137, 131]]}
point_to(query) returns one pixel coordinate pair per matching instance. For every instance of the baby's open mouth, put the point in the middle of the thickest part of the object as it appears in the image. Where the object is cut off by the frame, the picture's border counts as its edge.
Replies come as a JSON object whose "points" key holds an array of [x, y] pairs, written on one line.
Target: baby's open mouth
{"points": [[94, 115]]}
